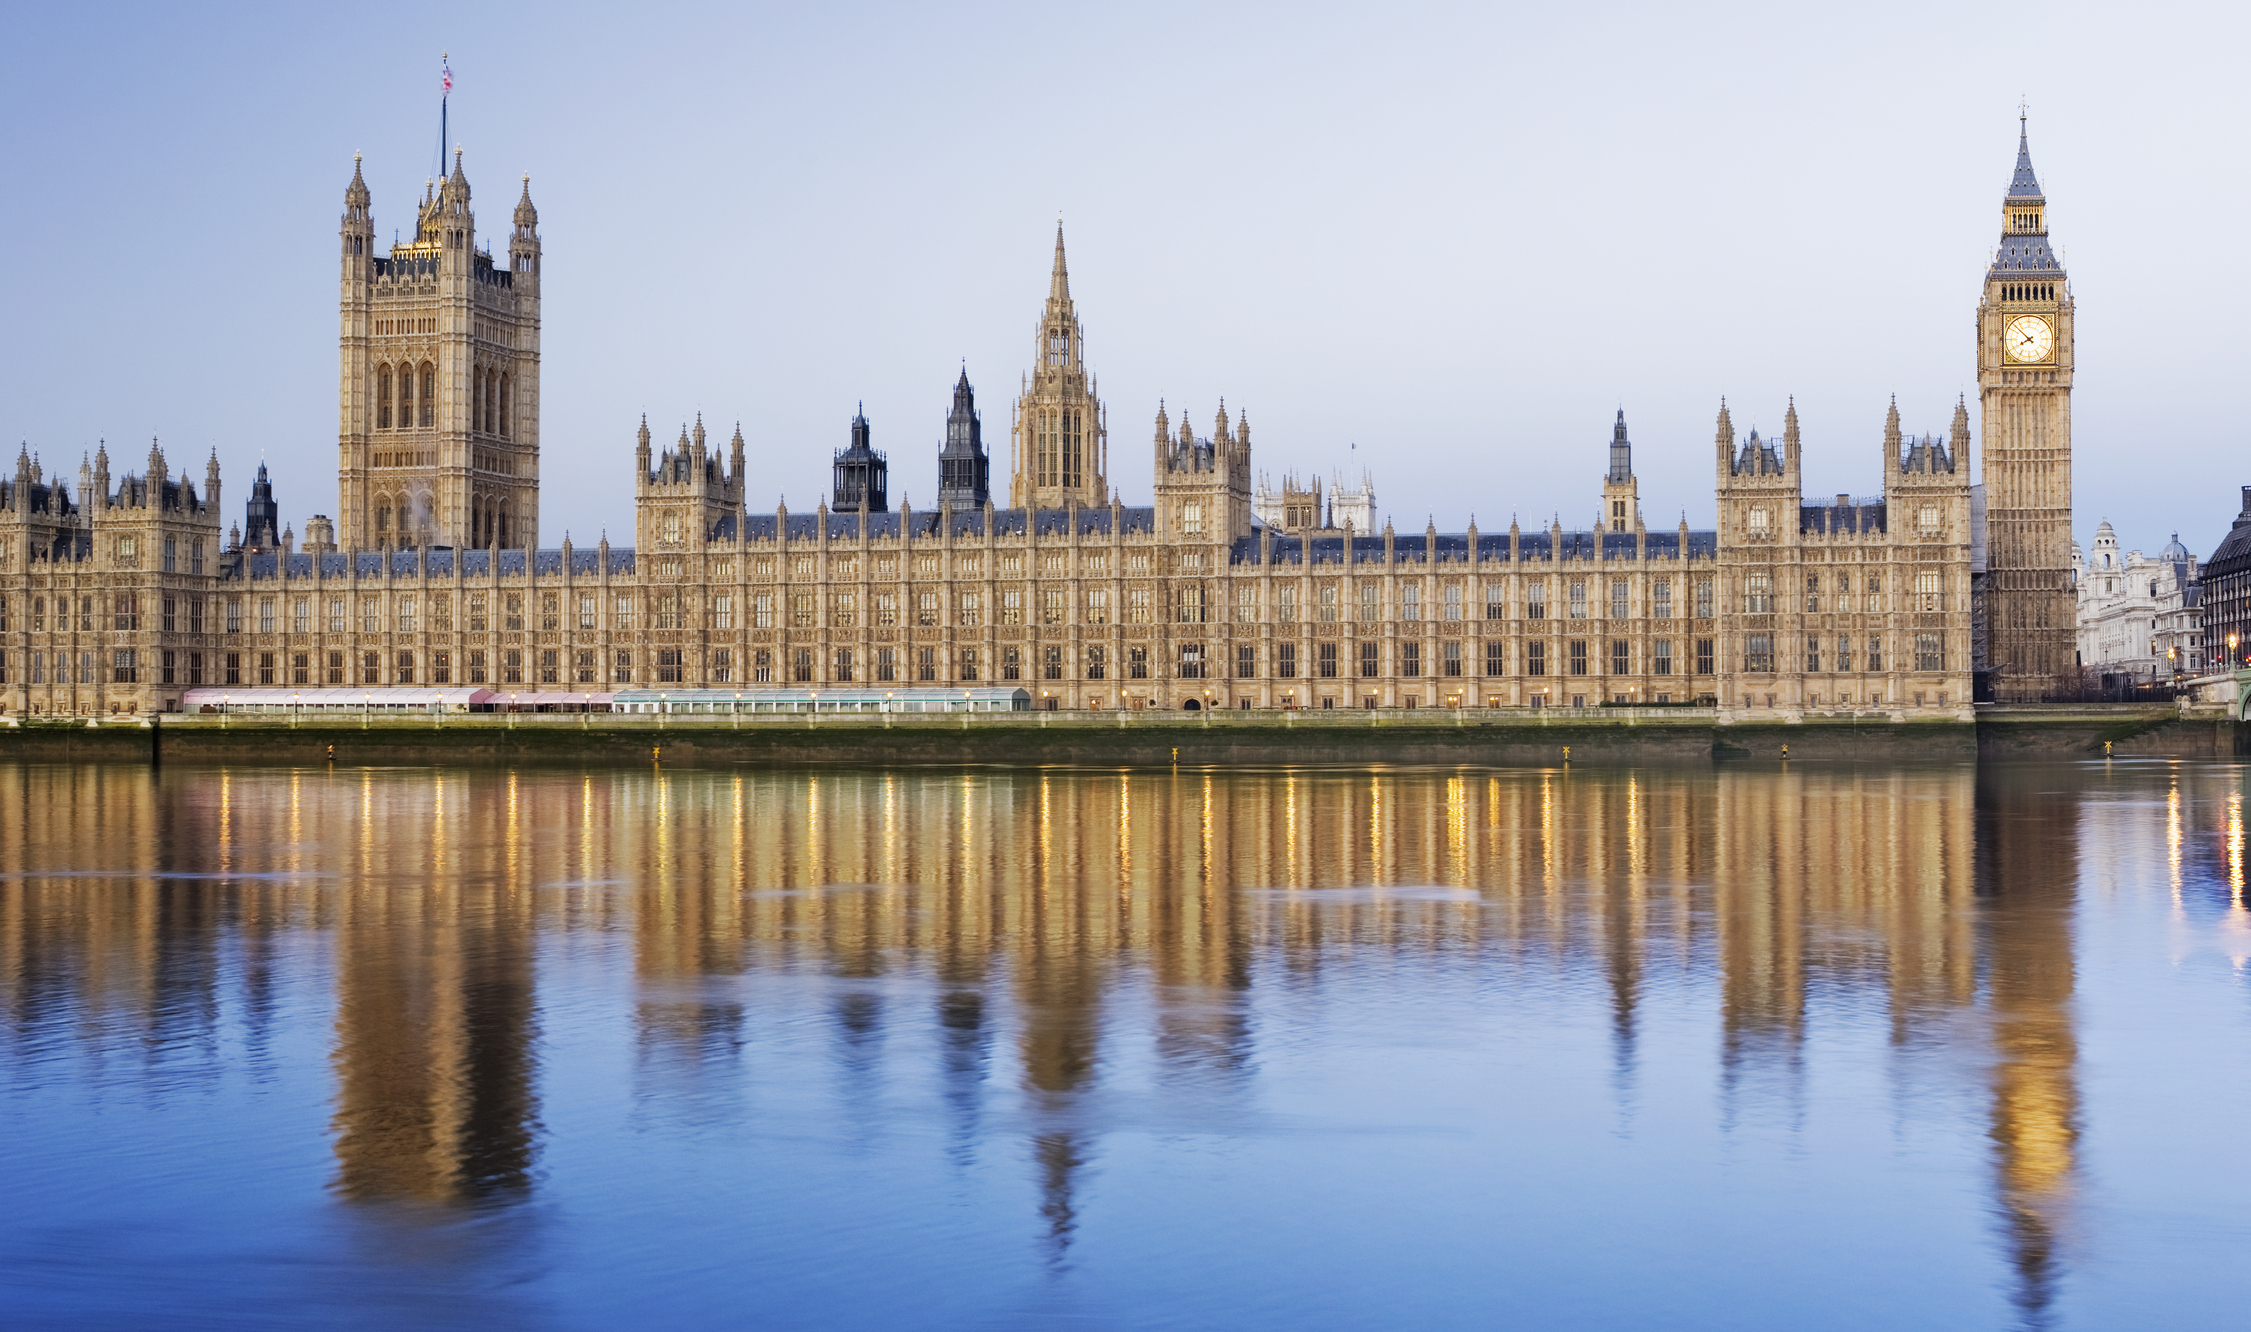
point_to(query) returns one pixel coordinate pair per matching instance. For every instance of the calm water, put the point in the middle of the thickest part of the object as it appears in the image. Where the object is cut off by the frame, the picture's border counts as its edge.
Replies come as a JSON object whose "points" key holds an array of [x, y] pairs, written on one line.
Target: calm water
{"points": [[1919, 1047]]}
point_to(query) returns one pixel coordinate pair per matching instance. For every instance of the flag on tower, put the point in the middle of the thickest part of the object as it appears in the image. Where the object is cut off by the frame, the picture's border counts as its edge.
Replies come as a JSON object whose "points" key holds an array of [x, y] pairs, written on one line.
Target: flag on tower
{"points": [[445, 71]]}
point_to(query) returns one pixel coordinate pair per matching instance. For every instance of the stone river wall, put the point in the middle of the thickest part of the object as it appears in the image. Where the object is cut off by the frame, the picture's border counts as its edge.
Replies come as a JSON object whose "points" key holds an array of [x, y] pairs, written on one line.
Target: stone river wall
{"points": [[1124, 740]]}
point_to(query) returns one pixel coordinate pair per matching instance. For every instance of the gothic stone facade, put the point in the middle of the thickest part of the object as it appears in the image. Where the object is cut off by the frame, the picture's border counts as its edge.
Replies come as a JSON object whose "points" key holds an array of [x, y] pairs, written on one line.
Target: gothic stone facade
{"points": [[116, 598], [438, 402]]}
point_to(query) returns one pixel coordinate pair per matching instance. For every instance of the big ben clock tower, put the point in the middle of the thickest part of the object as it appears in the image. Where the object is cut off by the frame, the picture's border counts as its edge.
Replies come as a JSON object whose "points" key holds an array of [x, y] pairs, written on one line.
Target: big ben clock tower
{"points": [[2024, 364]]}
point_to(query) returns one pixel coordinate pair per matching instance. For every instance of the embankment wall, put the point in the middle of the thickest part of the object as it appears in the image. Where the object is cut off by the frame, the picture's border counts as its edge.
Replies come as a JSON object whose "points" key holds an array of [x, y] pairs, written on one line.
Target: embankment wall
{"points": [[1133, 740]]}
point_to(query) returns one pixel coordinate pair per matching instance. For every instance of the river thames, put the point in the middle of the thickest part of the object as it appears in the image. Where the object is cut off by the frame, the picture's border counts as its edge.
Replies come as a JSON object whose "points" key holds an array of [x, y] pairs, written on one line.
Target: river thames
{"points": [[1437, 1048]]}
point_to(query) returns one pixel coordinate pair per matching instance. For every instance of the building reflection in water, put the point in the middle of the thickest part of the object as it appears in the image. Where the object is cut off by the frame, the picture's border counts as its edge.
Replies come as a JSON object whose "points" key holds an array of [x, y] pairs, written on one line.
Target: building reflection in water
{"points": [[435, 1007], [2027, 881], [1033, 931]]}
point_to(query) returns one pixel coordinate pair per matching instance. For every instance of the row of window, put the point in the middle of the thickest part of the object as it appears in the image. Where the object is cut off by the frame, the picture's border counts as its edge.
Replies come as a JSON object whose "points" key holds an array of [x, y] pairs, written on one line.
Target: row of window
{"points": [[121, 666], [1058, 447], [584, 666], [1759, 595], [125, 553], [88, 613], [1825, 655], [666, 611], [406, 398]]}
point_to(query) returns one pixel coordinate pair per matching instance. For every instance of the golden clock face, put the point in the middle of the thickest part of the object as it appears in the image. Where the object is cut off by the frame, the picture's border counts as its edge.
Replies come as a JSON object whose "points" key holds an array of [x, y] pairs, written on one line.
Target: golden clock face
{"points": [[2028, 338]]}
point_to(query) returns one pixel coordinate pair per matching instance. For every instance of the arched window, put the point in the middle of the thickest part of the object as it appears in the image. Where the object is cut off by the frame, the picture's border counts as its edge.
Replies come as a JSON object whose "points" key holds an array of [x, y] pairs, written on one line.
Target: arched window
{"points": [[382, 518], [383, 398], [406, 396], [477, 400], [429, 391], [507, 382], [504, 527]]}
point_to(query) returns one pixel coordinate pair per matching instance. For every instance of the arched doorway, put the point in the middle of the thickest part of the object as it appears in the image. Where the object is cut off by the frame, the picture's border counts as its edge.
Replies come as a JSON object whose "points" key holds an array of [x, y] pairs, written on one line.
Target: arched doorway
{"points": [[1192, 705]]}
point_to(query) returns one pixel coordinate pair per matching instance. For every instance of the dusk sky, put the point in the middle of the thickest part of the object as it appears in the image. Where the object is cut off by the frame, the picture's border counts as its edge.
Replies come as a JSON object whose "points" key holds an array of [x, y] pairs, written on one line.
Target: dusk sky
{"points": [[1460, 238]]}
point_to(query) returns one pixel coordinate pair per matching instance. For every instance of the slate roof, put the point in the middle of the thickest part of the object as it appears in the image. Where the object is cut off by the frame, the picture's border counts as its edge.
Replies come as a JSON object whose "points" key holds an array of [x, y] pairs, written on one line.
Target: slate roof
{"points": [[1323, 548], [261, 565], [2024, 185], [1832, 519], [2025, 254], [925, 524]]}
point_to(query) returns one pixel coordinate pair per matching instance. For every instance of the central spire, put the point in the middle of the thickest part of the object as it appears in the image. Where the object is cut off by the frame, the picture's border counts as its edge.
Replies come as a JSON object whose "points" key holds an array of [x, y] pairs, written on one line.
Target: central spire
{"points": [[1058, 453], [1059, 285]]}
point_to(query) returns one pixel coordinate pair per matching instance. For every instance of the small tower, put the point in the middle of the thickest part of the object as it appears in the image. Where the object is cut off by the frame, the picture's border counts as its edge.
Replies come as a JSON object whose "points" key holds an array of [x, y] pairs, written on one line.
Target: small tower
{"points": [[963, 485], [862, 473], [1203, 485], [684, 496], [1621, 493], [261, 519]]}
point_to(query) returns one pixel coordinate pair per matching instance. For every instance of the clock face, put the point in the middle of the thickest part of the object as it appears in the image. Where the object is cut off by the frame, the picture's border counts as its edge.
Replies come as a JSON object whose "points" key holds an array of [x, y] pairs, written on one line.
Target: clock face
{"points": [[2028, 338]]}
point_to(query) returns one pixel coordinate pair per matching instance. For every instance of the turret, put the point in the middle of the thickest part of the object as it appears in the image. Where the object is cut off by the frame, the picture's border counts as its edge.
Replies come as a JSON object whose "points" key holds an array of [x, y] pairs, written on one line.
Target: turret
{"points": [[356, 232], [261, 516], [1893, 458], [1726, 441], [455, 222], [862, 475], [1621, 493], [523, 241], [964, 484]]}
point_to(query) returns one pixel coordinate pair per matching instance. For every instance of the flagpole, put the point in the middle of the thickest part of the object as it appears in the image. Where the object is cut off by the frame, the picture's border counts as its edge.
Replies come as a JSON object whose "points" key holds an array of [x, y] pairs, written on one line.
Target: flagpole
{"points": [[445, 60]]}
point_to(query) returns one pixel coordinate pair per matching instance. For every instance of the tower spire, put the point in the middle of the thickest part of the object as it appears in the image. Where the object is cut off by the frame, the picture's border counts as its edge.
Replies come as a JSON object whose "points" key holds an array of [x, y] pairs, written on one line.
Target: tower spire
{"points": [[2024, 185], [1059, 284]]}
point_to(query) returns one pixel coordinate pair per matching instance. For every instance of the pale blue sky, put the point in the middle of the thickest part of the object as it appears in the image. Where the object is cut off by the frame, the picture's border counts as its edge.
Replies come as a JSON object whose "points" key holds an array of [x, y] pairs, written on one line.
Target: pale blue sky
{"points": [[1461, 237]]}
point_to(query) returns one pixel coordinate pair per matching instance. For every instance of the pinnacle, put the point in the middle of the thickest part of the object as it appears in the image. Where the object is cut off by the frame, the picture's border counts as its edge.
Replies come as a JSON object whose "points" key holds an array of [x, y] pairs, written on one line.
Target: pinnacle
{"points": [[1059, 283]]}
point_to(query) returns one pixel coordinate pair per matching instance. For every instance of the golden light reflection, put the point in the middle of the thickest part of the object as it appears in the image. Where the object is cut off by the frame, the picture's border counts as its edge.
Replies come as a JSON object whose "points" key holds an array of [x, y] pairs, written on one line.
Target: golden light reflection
{"points": [[1028, 899], [2173, 835], [2235, 847]]}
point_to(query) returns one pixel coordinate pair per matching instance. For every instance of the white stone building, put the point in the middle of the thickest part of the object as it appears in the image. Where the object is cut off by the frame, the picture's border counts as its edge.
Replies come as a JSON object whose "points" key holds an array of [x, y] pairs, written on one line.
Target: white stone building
{"points": [[2138, 615]]}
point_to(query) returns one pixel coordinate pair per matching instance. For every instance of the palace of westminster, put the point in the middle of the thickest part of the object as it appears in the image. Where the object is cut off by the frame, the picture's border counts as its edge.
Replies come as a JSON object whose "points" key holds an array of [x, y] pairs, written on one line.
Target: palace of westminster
{"points": [[121, 593]]}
